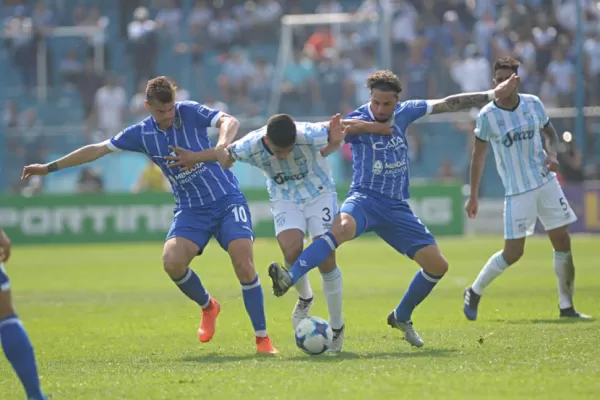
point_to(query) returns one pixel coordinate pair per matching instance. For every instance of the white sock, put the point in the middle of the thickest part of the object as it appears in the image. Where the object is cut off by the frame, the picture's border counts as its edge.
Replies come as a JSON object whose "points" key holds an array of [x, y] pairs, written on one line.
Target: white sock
{"points": [[302, 286], [494, 267], [565, 272], [332, 288]]}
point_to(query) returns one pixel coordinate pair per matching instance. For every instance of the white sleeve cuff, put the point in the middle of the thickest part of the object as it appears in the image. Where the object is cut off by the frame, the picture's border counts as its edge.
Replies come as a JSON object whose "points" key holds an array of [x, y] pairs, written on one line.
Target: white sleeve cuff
{"points": [[111, 146], [429, 106], [213, 122]]}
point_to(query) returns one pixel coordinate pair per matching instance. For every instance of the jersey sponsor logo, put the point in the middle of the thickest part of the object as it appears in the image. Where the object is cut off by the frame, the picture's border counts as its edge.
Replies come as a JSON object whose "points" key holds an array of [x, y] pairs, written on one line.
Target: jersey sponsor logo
{"points": [[390, 168], [282, 178], [513, 137], [395, 143]]}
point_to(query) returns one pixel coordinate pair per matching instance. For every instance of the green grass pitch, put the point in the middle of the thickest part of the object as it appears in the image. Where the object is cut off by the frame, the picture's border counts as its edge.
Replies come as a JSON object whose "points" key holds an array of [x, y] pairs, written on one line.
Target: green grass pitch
{"points": [[107, 323]]}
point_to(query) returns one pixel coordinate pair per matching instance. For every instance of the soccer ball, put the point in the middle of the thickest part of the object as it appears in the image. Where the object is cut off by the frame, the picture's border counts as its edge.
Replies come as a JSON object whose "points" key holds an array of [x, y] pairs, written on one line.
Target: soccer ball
{"points": [[313, 335]]}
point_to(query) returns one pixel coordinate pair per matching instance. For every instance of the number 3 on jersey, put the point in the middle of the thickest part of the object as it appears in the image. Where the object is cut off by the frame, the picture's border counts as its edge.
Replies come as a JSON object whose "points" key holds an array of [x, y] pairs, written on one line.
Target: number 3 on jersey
{"points": [[239, 213]]}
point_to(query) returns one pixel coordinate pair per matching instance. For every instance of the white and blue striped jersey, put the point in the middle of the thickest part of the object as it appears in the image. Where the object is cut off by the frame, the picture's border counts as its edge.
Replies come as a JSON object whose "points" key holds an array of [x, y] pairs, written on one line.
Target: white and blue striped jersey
{"points": [[380, 163], [200, 186], [517, 142], [303, 175]]}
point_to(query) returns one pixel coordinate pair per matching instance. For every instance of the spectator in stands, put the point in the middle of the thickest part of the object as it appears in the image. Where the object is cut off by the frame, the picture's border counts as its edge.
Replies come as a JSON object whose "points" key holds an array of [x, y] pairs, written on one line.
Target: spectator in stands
{"points": [[417, 75], [329, 7], [71, 67], [93, 18], [561, 73], [223, 31], [10, 115], [259, 87], [151, 180], [335, 86], [298, 86], [571, 162], [19, 38], [142, 44], [89, 182], [234, 78], [319, 42], [265, 19], [88, 84], [137, 104], [110, 105], [446, 173], [168, 19], [366, 64]]}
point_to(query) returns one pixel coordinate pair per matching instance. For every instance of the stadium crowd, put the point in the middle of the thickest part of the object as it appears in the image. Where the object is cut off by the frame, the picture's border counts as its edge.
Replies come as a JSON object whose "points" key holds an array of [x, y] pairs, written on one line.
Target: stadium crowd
{"points": [[439, 47]]}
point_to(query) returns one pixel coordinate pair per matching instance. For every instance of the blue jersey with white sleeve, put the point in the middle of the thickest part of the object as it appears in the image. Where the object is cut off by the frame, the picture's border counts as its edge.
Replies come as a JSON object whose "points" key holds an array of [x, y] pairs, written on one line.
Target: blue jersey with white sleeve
{"points": [[380, 163], [200, 186]]}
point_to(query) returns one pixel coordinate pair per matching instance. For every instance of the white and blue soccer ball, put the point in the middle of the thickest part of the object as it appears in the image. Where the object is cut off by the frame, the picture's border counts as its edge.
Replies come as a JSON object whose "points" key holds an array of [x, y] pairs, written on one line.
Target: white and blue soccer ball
{"points": [[313, 335]]}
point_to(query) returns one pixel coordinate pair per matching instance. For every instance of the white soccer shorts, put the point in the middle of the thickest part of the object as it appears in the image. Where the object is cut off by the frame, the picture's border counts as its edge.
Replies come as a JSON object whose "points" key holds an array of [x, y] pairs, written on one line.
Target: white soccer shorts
{"points": [[548, 203], [316, 214]]}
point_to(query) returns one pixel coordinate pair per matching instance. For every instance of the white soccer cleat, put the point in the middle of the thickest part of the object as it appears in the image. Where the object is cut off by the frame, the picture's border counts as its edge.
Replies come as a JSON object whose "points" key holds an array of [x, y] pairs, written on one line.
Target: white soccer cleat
{"points": [[301, 310], [338, 340], [410, 335]]}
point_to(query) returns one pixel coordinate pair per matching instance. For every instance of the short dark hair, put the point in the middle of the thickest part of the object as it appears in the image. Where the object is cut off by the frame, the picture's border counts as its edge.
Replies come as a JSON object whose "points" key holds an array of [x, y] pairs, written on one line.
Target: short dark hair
{"points": [[281, 130], [507, 63], [384, 80], [161, 89]]}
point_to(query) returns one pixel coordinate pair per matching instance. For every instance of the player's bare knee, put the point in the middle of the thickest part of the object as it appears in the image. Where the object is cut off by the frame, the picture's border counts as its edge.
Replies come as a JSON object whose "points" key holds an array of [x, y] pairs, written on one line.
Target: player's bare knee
{"points": [[174, 264], [344, 228], [512, 255], [244, 270], [291, 253], [561, 240], [436, 266]]}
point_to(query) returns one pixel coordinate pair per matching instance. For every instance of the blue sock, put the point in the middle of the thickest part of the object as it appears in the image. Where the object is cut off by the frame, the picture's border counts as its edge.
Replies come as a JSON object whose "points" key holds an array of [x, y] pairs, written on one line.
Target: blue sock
{"points": [[313, 256], [19, 352], [191, 286], [420, 287], [255, 306]]}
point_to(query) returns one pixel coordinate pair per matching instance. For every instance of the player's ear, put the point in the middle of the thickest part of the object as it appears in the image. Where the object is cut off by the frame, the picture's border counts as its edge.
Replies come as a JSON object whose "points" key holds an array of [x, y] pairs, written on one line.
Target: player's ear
{"points": [[147, 105]]}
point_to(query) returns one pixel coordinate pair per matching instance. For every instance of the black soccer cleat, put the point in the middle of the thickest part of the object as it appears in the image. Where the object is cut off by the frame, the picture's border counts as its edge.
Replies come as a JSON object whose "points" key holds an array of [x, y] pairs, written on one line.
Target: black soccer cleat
{"points": [[571, 312], [282, 280], [471, 303]]}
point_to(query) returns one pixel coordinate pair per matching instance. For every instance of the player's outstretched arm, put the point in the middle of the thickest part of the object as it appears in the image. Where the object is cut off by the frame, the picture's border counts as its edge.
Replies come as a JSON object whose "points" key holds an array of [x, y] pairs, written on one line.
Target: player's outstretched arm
{"points": [[80, 156], [477, 163], [357, 127], [465, 101]]}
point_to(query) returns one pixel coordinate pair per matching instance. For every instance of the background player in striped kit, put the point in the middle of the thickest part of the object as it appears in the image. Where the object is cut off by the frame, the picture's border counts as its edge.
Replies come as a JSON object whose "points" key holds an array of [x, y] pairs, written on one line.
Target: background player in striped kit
{"points": [[514, 126], [14, 338], [377, 198], [208, 199]]}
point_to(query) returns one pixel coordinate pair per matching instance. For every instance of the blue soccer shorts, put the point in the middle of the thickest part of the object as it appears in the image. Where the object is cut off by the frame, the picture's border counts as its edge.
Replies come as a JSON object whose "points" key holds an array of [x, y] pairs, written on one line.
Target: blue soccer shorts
{"points": [[227, 219], [4, 281], [392, 220]]}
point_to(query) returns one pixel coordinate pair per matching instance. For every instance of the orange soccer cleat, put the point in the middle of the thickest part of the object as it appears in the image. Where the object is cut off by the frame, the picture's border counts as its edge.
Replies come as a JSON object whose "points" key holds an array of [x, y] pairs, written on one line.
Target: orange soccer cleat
{"points": [[264, 346], [208, 323]]}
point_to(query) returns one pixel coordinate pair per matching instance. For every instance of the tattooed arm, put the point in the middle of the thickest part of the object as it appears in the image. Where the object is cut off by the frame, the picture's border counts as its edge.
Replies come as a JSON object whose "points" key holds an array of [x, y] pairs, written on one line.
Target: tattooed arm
{"points": [[465, 101], [461, 101]]}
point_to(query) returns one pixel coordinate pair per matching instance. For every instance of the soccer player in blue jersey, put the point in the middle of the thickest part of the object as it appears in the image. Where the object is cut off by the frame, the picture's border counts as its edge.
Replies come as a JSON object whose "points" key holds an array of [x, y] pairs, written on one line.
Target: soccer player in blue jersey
{"points": [[518, 128], [15, 342], [302, 192], [208, 201], [377, 198]]}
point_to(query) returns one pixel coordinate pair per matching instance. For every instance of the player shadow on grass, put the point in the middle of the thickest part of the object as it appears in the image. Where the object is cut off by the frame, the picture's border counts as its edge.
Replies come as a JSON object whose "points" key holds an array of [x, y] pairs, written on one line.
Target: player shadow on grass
{"points": [[562, 321], [328, 357]]}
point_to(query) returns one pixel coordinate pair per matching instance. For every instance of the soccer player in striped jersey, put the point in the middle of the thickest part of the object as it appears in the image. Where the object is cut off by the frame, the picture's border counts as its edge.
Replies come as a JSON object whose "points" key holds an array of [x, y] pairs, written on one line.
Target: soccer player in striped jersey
{"points": [[15, 342], [377, 198], [518, 128], [302, 191], [208, 201], [303, 195]]}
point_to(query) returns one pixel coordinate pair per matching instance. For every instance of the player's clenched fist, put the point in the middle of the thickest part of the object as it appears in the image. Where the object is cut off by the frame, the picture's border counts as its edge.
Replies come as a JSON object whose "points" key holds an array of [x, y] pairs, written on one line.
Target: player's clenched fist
{"points": [[34, 169], [471, 207]]}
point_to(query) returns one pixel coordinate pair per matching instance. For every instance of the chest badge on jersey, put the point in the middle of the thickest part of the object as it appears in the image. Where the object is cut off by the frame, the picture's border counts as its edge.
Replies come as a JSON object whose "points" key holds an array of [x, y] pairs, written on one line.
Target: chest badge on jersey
{"points": [[377, 167]]}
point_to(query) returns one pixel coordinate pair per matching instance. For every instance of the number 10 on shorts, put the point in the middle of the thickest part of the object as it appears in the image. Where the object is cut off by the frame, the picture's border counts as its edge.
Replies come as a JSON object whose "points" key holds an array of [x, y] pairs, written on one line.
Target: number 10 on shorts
{"points": [[239, 213]]}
